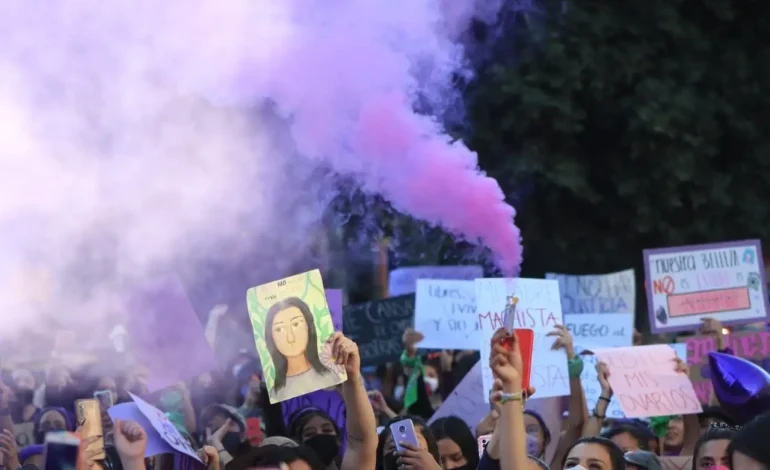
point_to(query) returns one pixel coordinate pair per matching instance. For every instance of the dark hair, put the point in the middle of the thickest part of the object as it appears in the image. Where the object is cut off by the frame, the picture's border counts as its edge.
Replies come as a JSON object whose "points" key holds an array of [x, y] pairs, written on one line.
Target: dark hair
{"points": [[311, 352], [716, 413], [455, 429], [543, 429], [418, 424], [641, 435], [616, 455], [751, 440], [539, 462], [274, 456], [714, 433], [299, 419]]}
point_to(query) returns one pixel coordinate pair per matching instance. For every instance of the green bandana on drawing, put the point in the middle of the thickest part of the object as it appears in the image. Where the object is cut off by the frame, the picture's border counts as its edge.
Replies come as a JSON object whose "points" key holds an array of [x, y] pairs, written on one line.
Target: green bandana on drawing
{"points": [[415, 364]]}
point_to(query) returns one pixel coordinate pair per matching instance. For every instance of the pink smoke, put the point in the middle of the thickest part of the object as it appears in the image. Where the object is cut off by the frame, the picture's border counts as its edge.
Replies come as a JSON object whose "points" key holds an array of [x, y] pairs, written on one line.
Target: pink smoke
{"points": [[350, 76]]}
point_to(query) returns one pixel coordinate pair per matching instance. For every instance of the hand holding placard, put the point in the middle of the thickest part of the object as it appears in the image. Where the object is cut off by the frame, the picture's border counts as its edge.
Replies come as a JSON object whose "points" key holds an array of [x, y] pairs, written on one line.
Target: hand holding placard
{"points": [[647, 382]]}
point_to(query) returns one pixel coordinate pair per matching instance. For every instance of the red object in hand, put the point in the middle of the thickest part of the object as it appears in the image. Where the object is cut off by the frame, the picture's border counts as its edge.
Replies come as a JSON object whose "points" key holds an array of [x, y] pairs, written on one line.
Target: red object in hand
{"points": [[526, 340]]}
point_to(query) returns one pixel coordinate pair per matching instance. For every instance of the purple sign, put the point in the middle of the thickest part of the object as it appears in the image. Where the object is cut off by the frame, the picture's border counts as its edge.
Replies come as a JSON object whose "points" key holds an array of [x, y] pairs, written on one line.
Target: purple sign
{"points": [[724, 281], [130, 412], [166, 335], [328, 401], [334, 299]]}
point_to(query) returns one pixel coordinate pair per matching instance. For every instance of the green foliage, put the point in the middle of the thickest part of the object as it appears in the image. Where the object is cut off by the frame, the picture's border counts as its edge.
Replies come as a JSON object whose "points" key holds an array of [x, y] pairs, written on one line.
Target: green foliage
{"points": [[640, 124]]}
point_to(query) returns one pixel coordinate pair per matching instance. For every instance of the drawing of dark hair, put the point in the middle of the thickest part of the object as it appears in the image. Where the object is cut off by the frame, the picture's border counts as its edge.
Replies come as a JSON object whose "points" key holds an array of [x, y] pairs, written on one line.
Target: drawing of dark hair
{"points": [[311, 351]]}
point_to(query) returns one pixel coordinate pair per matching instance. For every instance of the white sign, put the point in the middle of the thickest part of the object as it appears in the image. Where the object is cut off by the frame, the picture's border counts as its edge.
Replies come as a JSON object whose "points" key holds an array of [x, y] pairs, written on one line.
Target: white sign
{"points": [[724, 281], [445, 313], [597, 293], [466, 400], [606, 330], [167, 431], [538, 309], [593, 388], [403, 281]]}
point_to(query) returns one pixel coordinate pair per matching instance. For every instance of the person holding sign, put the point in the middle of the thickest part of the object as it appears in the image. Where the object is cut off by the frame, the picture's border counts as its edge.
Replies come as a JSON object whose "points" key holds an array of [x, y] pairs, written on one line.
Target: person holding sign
{"points": [[292, 327]]}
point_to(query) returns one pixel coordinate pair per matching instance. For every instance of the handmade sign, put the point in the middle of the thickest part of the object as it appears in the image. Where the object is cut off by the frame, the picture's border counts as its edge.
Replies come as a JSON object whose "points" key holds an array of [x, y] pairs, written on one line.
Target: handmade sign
{"points": [[590, 380], [445, 313], [162, 436], [751, 345], [724, 281], [377, 327], [402, 281], [334, 299], [605, 330], [291, 322], [646, 383], [537, 307], [159, 318], [597, 293], [466, 400]]}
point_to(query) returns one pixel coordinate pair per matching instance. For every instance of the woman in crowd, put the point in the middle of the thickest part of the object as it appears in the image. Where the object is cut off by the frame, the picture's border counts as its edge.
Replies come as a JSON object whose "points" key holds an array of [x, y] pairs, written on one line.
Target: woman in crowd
{"points": [[749, 449], [711, 449], [424, 457], [457, 447], [594, 453], [316, 429]]}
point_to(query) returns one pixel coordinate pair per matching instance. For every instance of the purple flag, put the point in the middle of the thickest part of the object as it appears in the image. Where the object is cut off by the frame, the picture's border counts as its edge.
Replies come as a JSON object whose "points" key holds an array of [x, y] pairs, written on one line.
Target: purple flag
{"points": [[166, 335], [334, 300]]}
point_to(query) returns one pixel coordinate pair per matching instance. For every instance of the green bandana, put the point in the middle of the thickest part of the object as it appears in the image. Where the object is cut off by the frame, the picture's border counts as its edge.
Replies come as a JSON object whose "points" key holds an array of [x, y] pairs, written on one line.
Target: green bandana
{"points": [[415, 364], [659, 424]]}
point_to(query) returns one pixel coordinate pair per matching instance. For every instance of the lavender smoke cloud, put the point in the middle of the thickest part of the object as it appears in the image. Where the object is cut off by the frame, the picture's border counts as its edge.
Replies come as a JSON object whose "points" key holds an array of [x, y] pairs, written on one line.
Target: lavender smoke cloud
{"points": [[105, 133]]}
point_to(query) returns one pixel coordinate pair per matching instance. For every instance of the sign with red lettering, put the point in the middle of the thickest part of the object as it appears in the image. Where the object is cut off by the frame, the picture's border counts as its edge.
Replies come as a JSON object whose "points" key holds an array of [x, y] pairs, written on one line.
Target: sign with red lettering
{"points": [[751, 345], [645, 382], [538, 307], [724, 281]]}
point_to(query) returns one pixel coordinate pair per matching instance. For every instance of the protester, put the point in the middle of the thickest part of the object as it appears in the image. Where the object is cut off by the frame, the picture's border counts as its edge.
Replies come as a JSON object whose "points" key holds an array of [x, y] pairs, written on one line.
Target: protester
{"points": [[595, 453], [456, 446], [711, 449]]}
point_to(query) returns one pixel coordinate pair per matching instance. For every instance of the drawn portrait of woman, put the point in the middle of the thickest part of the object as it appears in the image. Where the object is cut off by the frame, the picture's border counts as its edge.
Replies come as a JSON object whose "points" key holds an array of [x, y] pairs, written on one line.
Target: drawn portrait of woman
{"points": [[292, 340]]}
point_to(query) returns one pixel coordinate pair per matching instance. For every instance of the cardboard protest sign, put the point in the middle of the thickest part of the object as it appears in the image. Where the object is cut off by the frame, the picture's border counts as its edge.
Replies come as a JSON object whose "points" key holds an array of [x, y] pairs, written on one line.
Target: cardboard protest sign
{"points": [[377, 327], [604, 330], [724, 281], [166, 335], [645, 382], [676, 463], [162, 436], [539, 309], [750, 345], [466, 400], [445, 313], [291, 322], [334, 299], [597, 293], [402, 281]]}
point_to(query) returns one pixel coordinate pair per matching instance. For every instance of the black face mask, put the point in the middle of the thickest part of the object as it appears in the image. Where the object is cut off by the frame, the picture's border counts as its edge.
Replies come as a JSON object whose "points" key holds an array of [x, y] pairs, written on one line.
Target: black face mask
{"points": [[232, 442], [326, 446], [24, 396], [390, 461]]}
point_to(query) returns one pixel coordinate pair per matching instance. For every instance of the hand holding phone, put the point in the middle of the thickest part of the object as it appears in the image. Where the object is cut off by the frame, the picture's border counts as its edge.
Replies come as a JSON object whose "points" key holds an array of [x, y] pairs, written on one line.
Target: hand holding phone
{"points": [[89, 418], [403, 431], [61, 451]]}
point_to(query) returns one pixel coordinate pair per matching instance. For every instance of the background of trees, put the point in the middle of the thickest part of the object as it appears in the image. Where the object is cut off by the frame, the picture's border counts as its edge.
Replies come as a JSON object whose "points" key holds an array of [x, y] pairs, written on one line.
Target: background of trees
{"points": [[619, 126]]}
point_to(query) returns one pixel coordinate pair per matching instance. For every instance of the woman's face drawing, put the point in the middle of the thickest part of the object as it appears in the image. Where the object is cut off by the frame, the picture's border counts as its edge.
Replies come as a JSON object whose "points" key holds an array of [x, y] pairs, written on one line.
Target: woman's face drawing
{"points": [[290, 332]]}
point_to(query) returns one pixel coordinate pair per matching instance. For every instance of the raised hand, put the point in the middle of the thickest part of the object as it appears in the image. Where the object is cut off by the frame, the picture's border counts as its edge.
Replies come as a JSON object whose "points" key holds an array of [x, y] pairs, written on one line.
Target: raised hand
{"points": [[563, 340], [345, 352], [210, 457], [415, 458], [681, 366], [411, 337], [130, 441], [603, 374], [8, 450]]}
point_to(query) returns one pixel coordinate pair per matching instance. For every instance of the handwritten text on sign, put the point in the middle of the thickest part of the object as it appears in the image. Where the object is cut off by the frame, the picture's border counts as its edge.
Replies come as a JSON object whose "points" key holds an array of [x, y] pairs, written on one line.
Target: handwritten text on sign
{"points": [[605, 330], [597, 293], [646, 383], [445, 312], [165, 429], [539, 309], [725, 281], [377, 327], [402, 281]]}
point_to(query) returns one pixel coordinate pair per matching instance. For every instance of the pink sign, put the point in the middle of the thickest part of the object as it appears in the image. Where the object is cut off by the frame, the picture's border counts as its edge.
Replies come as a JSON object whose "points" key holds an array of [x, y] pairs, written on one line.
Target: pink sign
{"points": [[712, 301], [334, 300], [645, 382]]}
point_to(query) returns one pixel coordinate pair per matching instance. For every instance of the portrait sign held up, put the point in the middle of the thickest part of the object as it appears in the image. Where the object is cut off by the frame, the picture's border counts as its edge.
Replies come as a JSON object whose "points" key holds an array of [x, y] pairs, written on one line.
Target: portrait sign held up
{"points": [[292, 323]]}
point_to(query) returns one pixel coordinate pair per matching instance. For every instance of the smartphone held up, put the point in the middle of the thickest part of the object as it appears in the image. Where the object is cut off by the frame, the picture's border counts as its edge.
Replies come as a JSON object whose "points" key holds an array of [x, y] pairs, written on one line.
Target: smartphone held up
{"points": [[61, 451]]}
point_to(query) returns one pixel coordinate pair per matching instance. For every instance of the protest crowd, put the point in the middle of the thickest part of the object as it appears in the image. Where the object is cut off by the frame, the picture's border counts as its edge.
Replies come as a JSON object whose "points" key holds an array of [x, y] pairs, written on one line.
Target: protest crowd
{"points": [[536, 375]]}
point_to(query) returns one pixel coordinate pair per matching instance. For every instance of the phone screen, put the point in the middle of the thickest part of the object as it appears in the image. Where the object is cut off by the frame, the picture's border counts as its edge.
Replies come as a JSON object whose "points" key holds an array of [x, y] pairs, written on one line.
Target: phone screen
{"points": [[60, 456]]}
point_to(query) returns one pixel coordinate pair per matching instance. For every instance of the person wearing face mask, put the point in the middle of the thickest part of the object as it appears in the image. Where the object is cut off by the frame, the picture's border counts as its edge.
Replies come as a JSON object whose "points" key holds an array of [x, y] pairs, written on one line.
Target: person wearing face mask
{"points": [[225, 431], [316, 429], [423, 386]]}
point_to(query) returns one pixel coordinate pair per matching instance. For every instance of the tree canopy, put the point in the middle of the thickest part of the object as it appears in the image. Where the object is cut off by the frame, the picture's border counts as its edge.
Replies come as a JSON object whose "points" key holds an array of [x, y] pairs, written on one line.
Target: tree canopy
{"points": [[636, 124]]}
